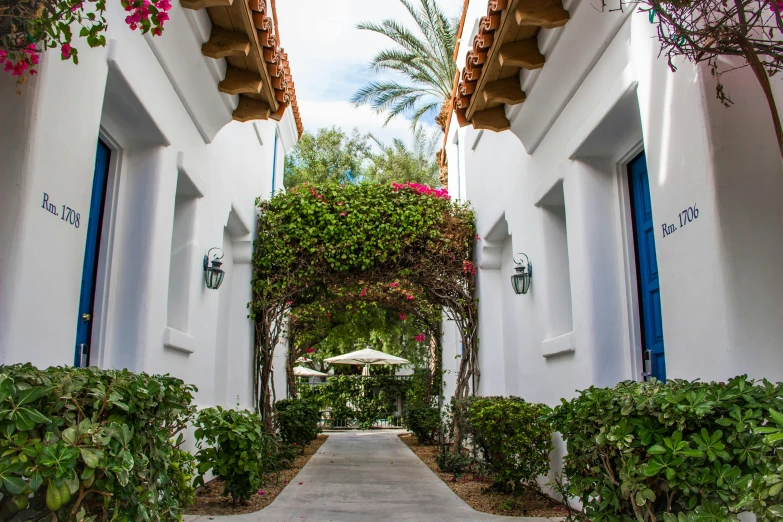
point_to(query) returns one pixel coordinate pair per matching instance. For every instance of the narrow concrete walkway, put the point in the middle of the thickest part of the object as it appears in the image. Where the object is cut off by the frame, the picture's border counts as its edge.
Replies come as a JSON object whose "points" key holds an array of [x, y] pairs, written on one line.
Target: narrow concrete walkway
{"points": [[367, 476]]}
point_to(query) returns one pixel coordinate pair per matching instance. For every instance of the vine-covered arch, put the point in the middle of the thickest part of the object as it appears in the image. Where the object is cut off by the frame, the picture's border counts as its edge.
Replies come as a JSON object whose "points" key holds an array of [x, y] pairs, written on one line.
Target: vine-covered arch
{"points": [[389, 242]]}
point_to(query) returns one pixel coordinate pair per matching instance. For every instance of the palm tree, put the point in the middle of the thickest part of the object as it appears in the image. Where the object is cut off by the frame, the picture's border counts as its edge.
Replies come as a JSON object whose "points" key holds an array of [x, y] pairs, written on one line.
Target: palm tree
{"points": [[423, 57]]}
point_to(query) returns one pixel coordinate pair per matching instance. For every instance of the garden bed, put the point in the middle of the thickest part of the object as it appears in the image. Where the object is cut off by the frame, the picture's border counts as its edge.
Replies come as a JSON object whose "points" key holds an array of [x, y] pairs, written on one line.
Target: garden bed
{"points": [[211, 501], [473, 490]]}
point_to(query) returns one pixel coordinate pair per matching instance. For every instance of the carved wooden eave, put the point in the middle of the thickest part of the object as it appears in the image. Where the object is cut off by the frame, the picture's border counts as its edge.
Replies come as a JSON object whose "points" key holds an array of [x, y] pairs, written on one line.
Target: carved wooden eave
{"points": [[507, 41], [244, 34]]}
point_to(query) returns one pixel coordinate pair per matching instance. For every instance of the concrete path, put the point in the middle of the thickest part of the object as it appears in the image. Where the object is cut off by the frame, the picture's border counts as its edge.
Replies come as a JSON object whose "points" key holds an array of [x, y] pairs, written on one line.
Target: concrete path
{"points": [[364, 476]]}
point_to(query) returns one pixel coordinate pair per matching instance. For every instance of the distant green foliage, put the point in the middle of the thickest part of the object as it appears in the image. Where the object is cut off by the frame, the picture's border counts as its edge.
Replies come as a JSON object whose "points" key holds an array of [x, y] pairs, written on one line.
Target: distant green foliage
{"points": [[399, 163], [455, 463], [514, 437], [678, 452], [329, 155], [297, 421], [233, 445], [364, 399], [89, 444]]}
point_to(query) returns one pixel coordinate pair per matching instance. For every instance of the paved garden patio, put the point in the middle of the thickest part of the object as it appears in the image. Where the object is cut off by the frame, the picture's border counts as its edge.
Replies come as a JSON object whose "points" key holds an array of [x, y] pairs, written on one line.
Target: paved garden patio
{"points": [[364, 475]]}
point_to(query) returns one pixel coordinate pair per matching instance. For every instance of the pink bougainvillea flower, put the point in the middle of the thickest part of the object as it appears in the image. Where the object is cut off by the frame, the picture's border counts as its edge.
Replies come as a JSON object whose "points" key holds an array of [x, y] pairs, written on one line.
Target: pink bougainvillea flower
{"points": [[310, 350], [420, 337], [34, 59], [410, 297], [343, 214], [76, 7], [468, 267], [402, 316], [289, 303], [19, 68], [3, 55], [162, 17], [65, 50], [395, 285], [8, 66], [363, 292], [301, 483], [478, 238], [33, 72], [261, 492]]}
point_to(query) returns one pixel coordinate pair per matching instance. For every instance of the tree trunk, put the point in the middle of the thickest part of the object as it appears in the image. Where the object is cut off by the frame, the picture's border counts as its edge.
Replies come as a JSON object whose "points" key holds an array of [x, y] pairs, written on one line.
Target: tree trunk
{"points": [[763, 79]]}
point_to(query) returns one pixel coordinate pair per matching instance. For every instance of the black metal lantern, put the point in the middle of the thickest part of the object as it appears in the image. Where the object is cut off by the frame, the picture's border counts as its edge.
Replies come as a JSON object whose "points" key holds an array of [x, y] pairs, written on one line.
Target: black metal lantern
{"points": [[521, 280], [213, 275]]}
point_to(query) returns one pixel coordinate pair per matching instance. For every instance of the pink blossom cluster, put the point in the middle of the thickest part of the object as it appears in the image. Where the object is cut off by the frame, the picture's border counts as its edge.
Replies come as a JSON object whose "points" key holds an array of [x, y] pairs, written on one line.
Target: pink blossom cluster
{"points": [[25, 61], [420, 337], [364, 292], [402, 316], [310, 350], [468, 267], [426, 190], [140, 14], [410, 297]]}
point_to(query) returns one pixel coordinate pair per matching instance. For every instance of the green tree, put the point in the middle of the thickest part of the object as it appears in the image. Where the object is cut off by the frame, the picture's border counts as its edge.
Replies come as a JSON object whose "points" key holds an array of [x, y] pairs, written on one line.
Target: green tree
{"points": [[398, 163], [329, 155], [423, 57]]}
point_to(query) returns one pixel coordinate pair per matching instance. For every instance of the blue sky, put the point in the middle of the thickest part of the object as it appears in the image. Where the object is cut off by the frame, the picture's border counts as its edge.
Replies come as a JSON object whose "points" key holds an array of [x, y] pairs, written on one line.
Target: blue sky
{"points": [[329, 59]]}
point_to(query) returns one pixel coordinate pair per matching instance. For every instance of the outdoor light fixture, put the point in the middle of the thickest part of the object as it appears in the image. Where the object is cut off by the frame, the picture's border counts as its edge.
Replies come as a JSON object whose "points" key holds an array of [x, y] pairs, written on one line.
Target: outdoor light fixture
{"points": [[521, 280], [213, 275]]}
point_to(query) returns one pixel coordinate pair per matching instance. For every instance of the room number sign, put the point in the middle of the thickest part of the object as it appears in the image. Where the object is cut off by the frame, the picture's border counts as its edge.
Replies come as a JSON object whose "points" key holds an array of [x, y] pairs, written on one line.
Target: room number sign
{"points": [[685, 217], [65, 213]]}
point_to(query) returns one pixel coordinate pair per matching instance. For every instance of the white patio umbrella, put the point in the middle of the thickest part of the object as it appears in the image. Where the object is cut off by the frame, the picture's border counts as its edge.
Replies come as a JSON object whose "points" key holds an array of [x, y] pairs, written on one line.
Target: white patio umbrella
{"points": [[367, 356], [302, 371]]}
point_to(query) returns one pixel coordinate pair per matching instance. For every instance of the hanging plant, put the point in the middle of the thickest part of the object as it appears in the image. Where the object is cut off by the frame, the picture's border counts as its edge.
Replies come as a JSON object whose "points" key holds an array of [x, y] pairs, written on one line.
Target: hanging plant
{"points": [[28, 27]]}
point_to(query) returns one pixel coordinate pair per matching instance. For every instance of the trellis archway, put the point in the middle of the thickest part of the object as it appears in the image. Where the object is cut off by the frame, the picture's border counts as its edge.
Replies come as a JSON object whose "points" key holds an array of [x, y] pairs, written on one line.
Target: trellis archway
{"points": [[358, 239]]}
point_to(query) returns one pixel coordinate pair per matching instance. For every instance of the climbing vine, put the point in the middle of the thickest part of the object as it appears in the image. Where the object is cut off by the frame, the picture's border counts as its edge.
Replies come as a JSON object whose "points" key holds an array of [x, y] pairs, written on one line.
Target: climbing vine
{"points": [[407, 247]]}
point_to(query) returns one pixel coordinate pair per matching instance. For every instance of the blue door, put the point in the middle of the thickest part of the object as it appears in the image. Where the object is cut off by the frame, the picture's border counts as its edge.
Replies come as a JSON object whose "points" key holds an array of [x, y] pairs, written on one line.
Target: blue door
{"points": [[647, 270], [90, 269]]}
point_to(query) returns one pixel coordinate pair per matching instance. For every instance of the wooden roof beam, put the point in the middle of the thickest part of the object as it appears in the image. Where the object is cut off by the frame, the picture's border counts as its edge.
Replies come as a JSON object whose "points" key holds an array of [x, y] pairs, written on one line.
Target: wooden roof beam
{"points": [[203, 4], [505, 91], [239, 81], [493, 119], [543, 13], [251, 109], [523, 53], [222, 44]]}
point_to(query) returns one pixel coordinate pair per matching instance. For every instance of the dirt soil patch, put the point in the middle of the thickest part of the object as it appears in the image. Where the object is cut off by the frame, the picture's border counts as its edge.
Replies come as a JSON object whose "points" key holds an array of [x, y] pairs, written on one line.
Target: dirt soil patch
{"points": [[473, 489], [211, 501]]}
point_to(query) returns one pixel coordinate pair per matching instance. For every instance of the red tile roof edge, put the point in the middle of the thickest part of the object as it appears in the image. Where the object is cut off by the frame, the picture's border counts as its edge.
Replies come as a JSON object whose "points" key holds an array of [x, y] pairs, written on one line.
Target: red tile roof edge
{"points": [[277, 62]]}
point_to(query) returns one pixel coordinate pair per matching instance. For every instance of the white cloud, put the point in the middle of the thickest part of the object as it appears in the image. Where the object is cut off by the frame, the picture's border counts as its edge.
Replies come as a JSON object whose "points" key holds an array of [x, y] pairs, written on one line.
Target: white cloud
{"points": [[329, 58], [317, 114]]}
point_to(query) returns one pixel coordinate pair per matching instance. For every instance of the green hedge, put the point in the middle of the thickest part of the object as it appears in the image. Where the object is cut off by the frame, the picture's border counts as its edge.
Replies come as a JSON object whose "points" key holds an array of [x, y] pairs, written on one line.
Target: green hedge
{"points": [[680, 451], [514, 437], [92, 444], [233, 445], [365, 399], [297, 421]]}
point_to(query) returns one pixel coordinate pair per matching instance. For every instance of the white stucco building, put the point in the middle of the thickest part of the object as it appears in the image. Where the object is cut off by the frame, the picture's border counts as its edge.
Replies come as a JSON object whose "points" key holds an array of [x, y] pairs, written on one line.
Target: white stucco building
{"points": [[101, 253], [651, 214]]}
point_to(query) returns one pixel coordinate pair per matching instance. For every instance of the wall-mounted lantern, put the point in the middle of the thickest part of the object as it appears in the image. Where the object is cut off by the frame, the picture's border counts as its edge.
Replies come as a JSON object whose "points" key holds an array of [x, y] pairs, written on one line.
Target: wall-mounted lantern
{"points": [[213, 275], [521, 280]]}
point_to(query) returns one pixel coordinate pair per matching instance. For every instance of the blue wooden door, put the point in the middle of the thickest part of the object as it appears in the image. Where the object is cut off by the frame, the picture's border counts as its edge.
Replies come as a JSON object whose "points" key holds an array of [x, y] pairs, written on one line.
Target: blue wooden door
{"points": [[90, 268], [647, 270]]}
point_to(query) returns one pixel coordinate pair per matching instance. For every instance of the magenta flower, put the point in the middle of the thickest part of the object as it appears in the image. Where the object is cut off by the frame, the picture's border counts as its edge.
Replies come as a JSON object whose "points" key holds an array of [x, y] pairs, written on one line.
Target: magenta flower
{"points": [[395, 285], [310, 350], [363, 292], [410, 297], [420, 337], [402, 316], [65, 50]]}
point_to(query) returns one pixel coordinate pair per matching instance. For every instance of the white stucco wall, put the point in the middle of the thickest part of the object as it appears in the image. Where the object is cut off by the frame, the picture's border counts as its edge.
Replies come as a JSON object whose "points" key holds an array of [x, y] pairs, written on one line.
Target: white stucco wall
{"points": [[603, 97], [155, 103]]}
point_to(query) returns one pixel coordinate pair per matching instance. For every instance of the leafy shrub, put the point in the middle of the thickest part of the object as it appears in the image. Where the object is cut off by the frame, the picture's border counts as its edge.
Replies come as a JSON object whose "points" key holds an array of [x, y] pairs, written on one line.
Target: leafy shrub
{"points": [[424, 422], [90, 444], [233, 445], [681, 451], [513, 436], [453, 463], [297, 421]]}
